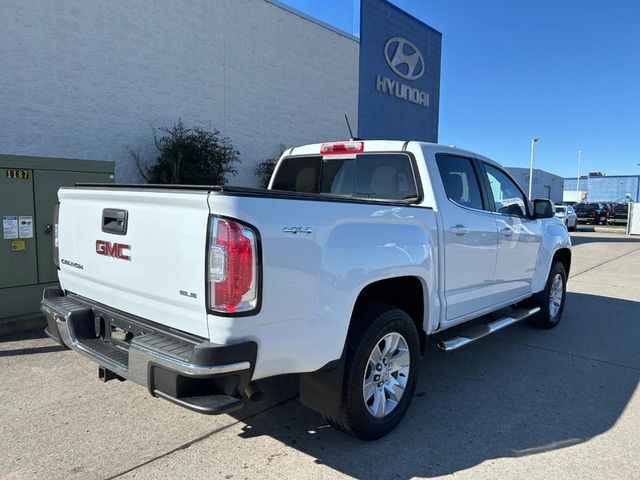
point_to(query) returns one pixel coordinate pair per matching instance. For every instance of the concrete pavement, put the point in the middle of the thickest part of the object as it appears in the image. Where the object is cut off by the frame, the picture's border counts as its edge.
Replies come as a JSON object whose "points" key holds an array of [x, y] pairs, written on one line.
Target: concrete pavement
{"points": [[523, 403]]}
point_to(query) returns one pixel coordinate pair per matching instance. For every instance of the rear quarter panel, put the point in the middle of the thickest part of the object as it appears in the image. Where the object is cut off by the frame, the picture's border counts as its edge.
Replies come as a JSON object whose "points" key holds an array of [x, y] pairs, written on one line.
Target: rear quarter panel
{"points": [[311, 281]]}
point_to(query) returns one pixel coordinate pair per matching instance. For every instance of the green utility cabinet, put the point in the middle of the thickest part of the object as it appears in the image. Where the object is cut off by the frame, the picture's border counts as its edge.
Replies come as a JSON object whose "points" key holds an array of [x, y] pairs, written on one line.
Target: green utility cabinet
{"points": [[28, 195]]}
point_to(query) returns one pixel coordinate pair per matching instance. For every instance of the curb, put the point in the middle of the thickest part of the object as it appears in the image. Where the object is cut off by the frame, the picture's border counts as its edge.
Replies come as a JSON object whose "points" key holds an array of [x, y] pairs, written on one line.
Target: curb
{"points": [[601, 229]]}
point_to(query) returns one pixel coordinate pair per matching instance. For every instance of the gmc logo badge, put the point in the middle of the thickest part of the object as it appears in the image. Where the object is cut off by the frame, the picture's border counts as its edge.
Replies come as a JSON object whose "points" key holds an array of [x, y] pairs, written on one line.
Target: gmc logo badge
{"points": [[115, 250]]}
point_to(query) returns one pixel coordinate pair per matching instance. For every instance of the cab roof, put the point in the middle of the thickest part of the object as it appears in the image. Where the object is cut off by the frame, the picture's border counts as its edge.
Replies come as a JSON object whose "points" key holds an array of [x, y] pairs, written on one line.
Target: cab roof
{"points": [[387, 146]]}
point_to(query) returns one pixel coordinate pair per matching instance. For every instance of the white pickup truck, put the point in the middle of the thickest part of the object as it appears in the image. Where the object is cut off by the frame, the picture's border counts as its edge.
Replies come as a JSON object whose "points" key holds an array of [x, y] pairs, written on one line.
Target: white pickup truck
{"points": [[340, 271]]}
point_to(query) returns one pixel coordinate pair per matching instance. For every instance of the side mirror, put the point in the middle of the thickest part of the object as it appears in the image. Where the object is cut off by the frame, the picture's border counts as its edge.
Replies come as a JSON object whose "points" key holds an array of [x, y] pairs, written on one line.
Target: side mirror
{"points": [[543, 208]]}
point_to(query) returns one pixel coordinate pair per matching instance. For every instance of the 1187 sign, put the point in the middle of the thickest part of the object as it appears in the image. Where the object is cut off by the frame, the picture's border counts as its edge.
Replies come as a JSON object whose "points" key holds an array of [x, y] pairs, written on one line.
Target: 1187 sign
{"points": [[18, 174]]}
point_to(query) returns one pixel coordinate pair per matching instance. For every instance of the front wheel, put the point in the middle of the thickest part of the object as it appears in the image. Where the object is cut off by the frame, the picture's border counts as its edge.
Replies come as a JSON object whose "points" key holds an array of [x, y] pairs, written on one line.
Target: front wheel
{"points": [[551, 300], [381, 371]]}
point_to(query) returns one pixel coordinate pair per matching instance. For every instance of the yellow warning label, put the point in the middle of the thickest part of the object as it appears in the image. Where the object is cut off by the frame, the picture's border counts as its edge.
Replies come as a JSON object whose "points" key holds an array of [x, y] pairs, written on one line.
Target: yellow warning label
{"points": [[18, 245]]}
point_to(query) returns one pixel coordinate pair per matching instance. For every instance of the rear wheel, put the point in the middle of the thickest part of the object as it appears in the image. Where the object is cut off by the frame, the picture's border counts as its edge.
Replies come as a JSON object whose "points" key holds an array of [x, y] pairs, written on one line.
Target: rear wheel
{"points": [[551, 300], [381, 371]]}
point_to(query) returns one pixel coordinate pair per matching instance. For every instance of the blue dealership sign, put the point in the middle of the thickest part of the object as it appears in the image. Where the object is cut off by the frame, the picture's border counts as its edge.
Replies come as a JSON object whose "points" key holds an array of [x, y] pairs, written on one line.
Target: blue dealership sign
{"points": [[399, 87]]}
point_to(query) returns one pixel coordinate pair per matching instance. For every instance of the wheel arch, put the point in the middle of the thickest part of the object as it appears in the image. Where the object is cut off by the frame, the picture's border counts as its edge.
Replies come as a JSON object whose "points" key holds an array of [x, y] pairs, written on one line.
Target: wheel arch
{"points": [[404, 292], [322, 390], [563, 255], [556, 245]]}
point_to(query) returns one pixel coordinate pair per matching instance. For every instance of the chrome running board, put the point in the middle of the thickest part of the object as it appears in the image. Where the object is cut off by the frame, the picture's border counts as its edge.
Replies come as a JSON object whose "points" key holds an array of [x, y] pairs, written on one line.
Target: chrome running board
{"points": [[480, 331]]}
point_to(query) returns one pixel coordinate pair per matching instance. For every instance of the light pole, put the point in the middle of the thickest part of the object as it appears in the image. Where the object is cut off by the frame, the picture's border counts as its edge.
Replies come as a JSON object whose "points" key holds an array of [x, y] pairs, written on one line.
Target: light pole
{"points": [[533, 144], [578, 184]]}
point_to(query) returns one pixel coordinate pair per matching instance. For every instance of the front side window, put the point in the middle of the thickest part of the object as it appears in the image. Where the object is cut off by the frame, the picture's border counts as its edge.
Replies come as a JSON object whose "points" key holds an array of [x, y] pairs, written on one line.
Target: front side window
{"points": [[460, 180], [508, 198], [384, 176]]}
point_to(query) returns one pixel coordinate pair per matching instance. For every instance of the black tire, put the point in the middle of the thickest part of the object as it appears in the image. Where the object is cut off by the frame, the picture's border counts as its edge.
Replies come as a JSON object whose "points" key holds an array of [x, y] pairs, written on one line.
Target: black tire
{"points": [[573, 229], [546, 318], [369, 327]]}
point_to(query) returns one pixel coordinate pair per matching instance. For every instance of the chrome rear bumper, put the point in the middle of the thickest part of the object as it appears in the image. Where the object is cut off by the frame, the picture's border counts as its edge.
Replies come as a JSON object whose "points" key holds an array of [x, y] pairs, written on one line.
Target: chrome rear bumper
{"points": [[184, 369]]}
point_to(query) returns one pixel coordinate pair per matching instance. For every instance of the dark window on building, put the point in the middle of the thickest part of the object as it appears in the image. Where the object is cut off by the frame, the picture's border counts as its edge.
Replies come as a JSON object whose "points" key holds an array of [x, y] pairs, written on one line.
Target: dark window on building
{"points": [[460, 180]]}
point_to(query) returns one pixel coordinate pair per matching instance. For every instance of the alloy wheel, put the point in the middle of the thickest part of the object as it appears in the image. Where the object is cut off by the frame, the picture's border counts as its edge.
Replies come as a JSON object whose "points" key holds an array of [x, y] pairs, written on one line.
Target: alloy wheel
{"points": [[386, 375]]}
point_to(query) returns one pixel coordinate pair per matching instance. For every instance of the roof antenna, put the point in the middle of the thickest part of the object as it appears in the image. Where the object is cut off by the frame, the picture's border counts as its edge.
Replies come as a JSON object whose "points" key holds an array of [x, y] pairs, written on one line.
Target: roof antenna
{"points": [[349, 127]]}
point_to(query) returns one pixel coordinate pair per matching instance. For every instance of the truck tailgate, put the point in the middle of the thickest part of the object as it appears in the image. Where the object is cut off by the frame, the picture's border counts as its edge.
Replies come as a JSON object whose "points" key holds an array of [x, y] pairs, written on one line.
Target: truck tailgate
{"points": [[155, 270]]}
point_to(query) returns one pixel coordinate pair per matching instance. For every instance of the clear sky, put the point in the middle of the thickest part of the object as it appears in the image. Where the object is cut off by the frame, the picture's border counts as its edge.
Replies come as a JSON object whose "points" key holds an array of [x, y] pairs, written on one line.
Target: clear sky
{"points": [[566, 71]]}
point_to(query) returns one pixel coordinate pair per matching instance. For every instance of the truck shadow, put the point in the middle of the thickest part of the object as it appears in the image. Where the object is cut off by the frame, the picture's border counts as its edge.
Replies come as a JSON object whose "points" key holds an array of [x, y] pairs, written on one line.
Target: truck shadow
{"points": [[520, 392], [22, 336]]}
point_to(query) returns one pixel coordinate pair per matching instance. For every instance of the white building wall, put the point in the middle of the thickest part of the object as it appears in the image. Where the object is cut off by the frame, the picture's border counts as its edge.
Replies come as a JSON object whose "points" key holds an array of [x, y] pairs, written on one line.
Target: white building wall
{"points": [[93, 79]]}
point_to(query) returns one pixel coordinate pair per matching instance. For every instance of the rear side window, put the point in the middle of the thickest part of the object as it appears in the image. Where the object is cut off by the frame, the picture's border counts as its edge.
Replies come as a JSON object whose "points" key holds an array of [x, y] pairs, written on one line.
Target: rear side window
{"points": [[460, 180], [384, 176]]}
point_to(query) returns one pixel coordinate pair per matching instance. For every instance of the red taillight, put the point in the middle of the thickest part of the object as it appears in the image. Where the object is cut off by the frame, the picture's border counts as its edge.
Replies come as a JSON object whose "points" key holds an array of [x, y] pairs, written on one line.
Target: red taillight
{"points": [[341, 148], [233, 268]]}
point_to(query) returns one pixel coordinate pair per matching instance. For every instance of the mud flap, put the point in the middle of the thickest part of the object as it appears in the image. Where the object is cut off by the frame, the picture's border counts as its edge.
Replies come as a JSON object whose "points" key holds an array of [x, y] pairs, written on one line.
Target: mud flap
{"points": [[322, 390]]}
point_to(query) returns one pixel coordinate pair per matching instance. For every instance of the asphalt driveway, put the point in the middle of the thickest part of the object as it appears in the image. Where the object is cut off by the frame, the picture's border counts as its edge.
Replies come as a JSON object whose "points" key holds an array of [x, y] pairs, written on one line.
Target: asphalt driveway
{"points": [[523, 403]]}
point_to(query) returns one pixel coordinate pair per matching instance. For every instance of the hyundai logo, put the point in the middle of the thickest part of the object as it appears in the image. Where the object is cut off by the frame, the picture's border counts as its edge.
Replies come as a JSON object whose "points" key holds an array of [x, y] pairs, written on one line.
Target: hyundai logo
{"points": [[404, 58]]}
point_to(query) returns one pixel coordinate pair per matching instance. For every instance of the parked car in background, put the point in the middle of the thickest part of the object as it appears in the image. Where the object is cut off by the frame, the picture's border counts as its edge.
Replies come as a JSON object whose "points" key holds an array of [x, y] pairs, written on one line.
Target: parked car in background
{"points": [[609, 207], [619, 214], [568, 215], [594, 212]]}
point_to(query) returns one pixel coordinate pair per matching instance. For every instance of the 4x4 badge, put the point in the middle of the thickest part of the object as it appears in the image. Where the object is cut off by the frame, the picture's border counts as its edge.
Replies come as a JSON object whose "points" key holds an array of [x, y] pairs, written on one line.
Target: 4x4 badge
{"points": [[296, 230]]}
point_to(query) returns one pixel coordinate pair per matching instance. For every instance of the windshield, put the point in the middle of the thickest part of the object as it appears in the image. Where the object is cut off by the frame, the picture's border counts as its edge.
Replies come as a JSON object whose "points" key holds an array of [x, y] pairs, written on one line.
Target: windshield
{"points": [[379, 176]]}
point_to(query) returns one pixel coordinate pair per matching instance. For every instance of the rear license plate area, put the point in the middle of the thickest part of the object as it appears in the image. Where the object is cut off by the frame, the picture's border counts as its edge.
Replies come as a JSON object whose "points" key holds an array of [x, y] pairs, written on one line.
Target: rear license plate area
{"points": [[114, 330]]}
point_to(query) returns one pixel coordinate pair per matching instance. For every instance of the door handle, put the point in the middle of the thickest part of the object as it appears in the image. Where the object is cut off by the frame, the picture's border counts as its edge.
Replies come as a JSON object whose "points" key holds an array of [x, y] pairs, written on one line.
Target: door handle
{"points": [[507, 232], [459, 230], [114, 221], [48, 228]]}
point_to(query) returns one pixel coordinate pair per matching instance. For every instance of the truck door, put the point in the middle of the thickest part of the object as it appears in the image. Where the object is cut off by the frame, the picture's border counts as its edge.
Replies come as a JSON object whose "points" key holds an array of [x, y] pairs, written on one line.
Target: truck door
{"points": [[519, 237], [470, 238]]}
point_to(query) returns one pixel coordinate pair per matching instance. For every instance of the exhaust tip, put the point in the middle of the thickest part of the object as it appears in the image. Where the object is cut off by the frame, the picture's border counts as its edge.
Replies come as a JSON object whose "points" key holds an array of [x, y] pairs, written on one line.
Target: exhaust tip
{"points": [[254, 393]]}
